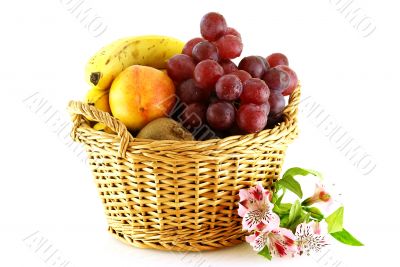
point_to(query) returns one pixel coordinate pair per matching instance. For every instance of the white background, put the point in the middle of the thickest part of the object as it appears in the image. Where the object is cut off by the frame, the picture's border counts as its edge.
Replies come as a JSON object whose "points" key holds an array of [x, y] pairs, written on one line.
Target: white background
{"points": [[47, 190]]}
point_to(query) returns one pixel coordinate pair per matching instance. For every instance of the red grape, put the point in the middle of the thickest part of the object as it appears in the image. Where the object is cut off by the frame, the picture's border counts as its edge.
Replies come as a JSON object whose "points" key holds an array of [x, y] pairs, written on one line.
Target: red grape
{"points": [[277, 103], [243, 75], [229, 87], [180, 67], [255, 91], [188, 92], [293, 80], [233, 31], [228, 66], [266, 64], [276, 79], [207, 73], [253, 65], [266, 107], [212, 26], [221, 115], [229, 46], [188, 48], [276, 59], [205, 50], [251, 118], [194, 115]]}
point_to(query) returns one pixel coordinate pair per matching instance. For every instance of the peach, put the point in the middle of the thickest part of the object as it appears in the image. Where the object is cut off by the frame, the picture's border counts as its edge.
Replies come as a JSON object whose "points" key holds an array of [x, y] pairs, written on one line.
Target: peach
{"points": [[140, 94]]}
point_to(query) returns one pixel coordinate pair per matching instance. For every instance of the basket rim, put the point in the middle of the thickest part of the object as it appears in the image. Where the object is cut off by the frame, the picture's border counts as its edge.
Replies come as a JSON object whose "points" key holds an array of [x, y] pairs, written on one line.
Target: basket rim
{"points": [[82, 113], [86, 126]]}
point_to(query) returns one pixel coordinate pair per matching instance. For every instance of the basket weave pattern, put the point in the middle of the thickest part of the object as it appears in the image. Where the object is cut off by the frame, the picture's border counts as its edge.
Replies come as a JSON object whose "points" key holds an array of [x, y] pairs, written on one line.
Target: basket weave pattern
{"points": [[176, 195]]}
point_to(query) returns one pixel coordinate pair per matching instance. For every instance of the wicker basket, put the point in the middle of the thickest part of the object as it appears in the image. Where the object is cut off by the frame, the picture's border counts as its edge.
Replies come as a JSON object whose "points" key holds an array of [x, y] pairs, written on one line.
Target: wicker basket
{"points": [[175, 195]]}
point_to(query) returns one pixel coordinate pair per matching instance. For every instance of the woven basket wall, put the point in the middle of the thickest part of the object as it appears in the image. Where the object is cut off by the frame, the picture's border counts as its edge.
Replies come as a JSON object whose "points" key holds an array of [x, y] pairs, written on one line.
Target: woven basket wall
{"points": [[175, 195]]}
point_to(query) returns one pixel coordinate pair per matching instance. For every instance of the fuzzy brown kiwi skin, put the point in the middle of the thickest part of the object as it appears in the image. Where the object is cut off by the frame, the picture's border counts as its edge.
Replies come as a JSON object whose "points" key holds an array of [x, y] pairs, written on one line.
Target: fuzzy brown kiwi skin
{"points": [[165, 129]]}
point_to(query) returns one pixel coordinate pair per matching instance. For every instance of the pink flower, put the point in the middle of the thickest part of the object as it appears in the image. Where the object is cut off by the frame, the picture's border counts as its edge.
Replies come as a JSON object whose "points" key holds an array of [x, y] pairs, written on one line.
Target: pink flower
{"points": [[256, 209], [280, 241], [320, 195], [311, 237]]}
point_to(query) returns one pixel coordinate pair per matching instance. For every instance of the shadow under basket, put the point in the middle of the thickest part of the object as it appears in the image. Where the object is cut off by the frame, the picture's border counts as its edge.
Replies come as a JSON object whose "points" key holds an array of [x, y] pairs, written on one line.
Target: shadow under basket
{"points": [[178, 195]]}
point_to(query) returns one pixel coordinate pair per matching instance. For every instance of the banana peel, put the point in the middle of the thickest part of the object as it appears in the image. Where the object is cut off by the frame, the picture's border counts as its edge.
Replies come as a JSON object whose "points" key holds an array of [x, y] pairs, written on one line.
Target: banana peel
{"points": [[101, 127], [149, 50]]}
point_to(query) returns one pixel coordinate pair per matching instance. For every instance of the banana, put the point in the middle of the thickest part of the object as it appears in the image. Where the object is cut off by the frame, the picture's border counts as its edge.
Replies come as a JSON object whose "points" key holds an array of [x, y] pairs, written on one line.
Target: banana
{"points": [[98, 98], [149, 50], [101, 127]]}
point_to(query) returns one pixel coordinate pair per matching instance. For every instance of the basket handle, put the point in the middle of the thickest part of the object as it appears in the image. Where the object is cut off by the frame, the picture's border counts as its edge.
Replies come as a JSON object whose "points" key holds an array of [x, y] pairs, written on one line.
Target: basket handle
{"points": [[79, 111], [294, 101]]}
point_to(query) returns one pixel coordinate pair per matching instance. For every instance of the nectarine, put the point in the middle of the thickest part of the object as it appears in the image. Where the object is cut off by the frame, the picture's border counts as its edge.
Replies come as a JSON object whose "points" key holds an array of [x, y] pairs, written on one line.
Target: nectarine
{"points": [[140, 94]]}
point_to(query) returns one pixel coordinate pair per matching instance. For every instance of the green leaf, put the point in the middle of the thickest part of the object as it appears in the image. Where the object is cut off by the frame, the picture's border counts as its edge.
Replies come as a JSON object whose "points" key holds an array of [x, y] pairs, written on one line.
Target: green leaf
{"points": [[291, 184], [284, 220], [346, 238], [306, 218], [335, 221], [303, 217], [282, 209], [265, 253], [285, 206], [300, 171], [276, 199], [314, 213], [279, 200], [295, 211]]}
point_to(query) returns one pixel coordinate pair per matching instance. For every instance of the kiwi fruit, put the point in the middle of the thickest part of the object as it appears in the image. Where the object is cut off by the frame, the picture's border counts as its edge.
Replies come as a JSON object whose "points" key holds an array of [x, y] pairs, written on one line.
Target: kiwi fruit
{"points": [[165, 129]]}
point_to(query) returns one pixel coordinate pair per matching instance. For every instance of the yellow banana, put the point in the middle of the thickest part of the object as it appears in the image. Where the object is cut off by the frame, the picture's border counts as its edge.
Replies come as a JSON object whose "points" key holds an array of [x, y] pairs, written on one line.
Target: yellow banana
{"points": [[98, 98], [149, 50], [101, 127]]}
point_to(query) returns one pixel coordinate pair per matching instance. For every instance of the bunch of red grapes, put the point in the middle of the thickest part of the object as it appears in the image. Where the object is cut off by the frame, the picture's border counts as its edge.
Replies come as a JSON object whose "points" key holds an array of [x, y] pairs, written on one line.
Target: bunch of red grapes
{"points": [[229, 98]]}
